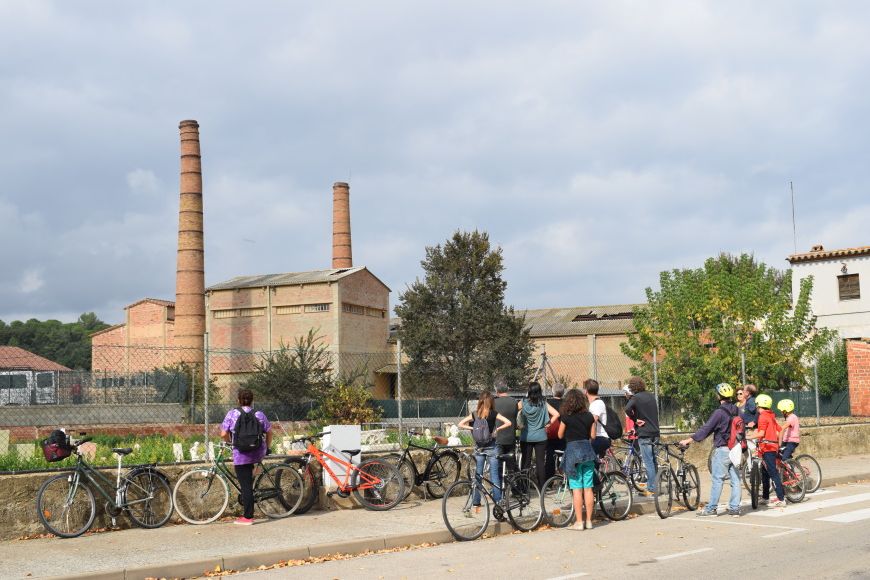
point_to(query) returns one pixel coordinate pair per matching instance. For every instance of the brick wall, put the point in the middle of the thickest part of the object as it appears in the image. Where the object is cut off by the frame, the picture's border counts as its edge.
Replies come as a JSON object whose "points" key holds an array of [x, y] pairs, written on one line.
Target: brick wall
{"points": [[858, 360]]}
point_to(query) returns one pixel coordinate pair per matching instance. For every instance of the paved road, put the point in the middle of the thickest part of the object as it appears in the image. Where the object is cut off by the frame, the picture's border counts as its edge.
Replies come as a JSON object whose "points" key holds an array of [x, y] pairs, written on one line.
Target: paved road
{"points": [[824, 537]]}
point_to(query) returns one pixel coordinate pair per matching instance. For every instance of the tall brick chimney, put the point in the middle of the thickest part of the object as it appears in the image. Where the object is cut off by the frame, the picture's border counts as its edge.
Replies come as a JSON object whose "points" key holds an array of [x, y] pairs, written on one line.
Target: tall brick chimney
{"points": [[190, 272], [341, 248]]}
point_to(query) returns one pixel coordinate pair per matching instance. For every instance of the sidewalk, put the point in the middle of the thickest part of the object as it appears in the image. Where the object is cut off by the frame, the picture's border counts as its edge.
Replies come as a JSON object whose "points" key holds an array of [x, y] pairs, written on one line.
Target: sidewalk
{"points": [[183, 550]]}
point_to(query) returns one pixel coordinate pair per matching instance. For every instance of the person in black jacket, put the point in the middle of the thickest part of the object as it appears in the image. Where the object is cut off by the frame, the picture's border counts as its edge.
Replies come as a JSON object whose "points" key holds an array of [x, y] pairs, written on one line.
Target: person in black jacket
{"points": [[643, 410]]}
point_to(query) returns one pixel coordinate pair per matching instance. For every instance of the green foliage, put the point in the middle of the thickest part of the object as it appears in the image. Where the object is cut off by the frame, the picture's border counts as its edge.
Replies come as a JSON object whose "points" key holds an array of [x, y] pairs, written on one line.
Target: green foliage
{"points": [[456, 331], [294, 373], [833, 370], [701, 320], [346, 404], [68, 344]]}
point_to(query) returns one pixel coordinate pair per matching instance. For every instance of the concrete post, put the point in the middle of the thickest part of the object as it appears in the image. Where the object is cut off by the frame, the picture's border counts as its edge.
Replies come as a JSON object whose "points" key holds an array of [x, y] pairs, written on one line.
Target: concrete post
{"points": [[399, 384]]}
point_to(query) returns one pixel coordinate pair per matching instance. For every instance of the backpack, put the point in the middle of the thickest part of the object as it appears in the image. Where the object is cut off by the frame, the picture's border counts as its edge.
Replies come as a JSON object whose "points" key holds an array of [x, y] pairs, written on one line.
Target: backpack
{"points": [[480, 432], [553, 429], [736, 431], [613, 427], [248, 435], [56, 447]]}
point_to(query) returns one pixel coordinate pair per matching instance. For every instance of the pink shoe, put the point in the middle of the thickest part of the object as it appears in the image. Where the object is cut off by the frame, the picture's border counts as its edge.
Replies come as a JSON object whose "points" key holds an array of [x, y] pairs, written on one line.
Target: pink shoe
{"points": [[244, 521]]}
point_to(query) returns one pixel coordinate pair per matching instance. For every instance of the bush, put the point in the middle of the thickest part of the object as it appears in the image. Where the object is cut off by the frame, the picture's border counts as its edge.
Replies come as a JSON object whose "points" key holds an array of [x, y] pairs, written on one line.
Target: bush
{"points": [[346, 405], [833, 370]]}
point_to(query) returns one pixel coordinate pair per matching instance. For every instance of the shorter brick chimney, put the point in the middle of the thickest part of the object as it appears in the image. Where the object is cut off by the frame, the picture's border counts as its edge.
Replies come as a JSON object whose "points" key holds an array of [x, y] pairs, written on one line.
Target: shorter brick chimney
{"points": [[342, 256]]}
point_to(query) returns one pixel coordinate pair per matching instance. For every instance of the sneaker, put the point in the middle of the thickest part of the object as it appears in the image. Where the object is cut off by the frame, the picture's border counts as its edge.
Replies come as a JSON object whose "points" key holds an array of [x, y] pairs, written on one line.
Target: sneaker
{"points": [[647, 493], [243, 521], [777, 503], [705, 513], [734, 513]]}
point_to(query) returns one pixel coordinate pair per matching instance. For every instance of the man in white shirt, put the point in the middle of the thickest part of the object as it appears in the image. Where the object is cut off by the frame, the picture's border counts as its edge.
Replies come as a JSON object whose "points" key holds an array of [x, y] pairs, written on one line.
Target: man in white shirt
{"points": [[596, 406]]}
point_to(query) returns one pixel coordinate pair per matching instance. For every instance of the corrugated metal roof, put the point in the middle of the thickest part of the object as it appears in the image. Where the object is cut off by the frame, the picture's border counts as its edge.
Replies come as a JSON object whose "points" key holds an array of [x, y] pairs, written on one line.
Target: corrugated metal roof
{"points": [[580, 320], [13, 357], [285, 279]]}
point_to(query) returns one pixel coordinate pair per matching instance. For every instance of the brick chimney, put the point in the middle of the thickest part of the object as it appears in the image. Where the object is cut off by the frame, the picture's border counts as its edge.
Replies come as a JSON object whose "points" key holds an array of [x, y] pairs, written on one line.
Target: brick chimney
{"points": [[341, 247], [190, 272]]}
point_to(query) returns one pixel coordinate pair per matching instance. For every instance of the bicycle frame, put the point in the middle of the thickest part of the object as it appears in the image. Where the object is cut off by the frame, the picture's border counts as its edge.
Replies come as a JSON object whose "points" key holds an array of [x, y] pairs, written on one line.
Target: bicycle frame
{"points": [[367, 481], [420, 478], [98, 480]]}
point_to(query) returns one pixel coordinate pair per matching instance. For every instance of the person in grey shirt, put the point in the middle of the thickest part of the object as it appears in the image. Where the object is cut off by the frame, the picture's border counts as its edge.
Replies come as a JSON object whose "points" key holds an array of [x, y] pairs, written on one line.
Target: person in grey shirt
{"points": [[506, 438]]}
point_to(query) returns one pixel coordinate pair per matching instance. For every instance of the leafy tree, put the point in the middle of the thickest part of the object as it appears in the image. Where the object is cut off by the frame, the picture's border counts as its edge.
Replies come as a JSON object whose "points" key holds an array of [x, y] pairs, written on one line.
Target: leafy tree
{"points": [[346, 404], [456, 331], [293, 373], [833, 369], [66, 343], [701, 320]]}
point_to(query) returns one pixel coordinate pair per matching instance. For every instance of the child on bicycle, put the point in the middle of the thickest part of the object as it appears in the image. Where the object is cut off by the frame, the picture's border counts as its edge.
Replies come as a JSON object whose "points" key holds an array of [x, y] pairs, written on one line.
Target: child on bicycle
{"points": [[768, 435], [790, 436], [578, 430], [485, 447]]}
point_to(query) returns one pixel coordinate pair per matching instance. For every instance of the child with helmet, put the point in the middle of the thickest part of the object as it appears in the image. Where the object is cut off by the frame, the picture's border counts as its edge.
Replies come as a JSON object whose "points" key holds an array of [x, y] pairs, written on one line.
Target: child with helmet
{"points": [[790, 436], [768, 434]]}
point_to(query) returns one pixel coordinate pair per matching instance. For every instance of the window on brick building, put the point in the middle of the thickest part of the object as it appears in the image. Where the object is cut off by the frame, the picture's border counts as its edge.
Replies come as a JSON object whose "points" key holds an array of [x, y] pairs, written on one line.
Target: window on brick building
{"points": [[317, 307], [226, 313], [353, 309], [374, 312], [252, 312], [850, 288], [293, 309]]}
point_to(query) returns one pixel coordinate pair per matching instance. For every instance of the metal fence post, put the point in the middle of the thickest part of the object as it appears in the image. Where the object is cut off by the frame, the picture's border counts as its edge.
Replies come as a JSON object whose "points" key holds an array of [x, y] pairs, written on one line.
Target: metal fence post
{"points": [[206, 375], [656, 380], [742, 368], [816, 381], [399, 383]]}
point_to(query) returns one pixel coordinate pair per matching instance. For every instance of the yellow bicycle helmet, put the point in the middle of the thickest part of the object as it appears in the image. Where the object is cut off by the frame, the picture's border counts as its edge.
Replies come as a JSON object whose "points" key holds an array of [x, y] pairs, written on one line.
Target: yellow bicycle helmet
{"points": [[785, 406], [725, 390], [763, 401]]}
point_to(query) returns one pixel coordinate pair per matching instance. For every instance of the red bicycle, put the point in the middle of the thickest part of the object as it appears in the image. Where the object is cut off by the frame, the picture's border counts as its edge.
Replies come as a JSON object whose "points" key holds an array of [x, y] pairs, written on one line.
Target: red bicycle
{"points": [[375, 483]]}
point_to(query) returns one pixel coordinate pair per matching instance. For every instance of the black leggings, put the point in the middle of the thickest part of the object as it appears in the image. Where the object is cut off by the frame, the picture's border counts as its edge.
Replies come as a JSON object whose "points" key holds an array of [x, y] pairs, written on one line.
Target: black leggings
{"points": [[540, 448], [245, 475]]}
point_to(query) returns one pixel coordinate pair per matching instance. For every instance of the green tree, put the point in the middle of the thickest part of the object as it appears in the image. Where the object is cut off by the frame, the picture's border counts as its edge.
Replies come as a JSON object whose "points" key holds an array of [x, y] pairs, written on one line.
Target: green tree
{"points": [[456, 331], [833, 369], [701, 320], [294, 373], [66, 343]]}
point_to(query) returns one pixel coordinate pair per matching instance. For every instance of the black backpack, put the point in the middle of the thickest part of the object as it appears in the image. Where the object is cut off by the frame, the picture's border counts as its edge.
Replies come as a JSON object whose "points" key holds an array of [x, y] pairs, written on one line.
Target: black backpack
{"points": [[613, 427], [248, 435]]}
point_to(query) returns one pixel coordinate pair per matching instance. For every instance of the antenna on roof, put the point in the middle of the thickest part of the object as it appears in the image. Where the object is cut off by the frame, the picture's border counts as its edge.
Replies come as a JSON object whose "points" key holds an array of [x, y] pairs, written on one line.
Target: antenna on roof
{"points": [[793, 227]]}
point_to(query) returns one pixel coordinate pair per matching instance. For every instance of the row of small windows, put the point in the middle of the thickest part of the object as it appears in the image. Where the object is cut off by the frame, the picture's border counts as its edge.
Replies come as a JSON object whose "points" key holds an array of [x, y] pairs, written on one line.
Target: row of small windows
{"points": [[299, 309], [363, 311]]}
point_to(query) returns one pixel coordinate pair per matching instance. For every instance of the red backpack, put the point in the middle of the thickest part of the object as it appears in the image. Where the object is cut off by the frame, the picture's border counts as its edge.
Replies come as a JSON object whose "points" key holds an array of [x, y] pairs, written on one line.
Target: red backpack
{"points": [[737, 431]]}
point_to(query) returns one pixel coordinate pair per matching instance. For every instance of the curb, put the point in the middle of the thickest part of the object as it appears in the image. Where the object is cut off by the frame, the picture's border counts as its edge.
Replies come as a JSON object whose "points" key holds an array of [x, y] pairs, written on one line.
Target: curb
{"points": [[240, 562]]}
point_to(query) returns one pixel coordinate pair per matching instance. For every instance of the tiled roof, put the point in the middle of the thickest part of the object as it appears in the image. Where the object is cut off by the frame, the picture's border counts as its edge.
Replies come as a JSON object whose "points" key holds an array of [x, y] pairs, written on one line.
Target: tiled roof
{"points": [[157, 301], [820, 253], [288, 279], [580, 320], [13, 357]]}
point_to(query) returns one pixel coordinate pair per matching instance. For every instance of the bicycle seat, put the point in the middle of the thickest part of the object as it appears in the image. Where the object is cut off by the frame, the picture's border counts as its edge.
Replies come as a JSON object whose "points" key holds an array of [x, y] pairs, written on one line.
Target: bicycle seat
{"points": [[122, 450], [505, 455], [351, 452]]}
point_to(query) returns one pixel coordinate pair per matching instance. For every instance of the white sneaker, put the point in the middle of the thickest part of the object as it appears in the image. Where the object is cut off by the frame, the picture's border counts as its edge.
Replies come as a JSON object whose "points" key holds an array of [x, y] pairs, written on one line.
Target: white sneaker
{"points": [[777, 503]]}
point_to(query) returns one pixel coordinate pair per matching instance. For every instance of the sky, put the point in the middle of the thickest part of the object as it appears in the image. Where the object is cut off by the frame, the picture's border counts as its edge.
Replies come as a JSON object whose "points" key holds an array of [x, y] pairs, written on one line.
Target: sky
{"points": [[598, 143]]}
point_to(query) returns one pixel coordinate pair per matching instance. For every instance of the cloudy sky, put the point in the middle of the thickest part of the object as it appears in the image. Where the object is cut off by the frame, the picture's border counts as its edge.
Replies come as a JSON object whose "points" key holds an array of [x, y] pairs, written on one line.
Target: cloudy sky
{"points": [[597, 142]]}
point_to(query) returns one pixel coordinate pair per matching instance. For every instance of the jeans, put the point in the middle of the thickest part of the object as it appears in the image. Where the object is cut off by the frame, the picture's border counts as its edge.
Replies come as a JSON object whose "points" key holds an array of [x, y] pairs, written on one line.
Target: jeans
{"points": [[788, 450], [482, 455], [245, 475], [723, 467], [768, 473], [649, 460]]}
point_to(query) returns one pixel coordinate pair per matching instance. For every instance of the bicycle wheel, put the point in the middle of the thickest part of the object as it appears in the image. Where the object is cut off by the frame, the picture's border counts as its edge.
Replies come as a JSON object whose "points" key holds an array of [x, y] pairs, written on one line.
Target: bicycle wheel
{"points": [[65, 506], [465, 520], [812, 471], [793, 481], [278, 491], [664, 493], [406, 470], [310, 481], [200, 496], [745, 472], [710, 460], [147, 498], [558, 501], [523, 501], [611, 462], [377, 485], [754, 483], [691, 487], [615, 497], [444, 473], [637, 473]]}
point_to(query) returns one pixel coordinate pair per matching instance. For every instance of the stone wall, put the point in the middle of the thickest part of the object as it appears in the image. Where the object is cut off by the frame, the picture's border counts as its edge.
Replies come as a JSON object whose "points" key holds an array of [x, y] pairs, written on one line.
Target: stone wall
{"points": [[63, 415]]}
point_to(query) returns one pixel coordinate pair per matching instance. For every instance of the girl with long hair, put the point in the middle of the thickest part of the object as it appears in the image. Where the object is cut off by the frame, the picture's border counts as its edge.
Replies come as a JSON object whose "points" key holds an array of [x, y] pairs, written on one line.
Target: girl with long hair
{"points": [[487, 450], [537, 414], [578, 430]]}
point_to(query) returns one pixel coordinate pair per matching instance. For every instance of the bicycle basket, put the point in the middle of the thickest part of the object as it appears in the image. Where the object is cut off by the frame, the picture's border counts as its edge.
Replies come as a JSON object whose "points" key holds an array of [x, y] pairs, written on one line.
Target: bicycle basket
{"points": [[56, 447]]}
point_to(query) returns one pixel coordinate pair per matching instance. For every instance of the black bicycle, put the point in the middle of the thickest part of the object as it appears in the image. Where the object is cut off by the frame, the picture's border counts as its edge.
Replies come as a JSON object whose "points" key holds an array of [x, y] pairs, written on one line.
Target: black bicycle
{"points": [[442, 468], [683, 483]]}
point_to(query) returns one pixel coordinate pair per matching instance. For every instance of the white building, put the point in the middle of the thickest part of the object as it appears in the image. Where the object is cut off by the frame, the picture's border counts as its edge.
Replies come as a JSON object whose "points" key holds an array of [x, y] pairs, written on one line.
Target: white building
{"points": [[841, 297]]}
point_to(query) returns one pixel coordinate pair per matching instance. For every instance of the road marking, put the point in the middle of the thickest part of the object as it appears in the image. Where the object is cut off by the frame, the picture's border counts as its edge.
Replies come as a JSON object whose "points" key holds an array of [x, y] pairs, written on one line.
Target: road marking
{"points": [[785, 533], [848, 517], [569, 576], [810, 506], [681, 554]]}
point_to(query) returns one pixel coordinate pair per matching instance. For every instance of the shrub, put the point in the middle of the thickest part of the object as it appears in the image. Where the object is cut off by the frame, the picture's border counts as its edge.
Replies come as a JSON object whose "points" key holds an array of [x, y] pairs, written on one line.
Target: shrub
{"points": [[346, 405]]}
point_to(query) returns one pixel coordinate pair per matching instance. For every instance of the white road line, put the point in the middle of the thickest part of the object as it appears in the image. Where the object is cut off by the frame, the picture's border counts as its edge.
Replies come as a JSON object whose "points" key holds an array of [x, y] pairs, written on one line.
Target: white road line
{"points": [[811, 505], [785, 533], [681, 554], [848, 517], [569, 576]]}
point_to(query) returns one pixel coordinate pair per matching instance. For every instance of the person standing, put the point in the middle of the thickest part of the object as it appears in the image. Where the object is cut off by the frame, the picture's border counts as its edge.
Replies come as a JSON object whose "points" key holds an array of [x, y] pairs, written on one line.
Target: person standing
{"points": [[537, 414], [768, 436], [554, 442], [578, 429], [601, 442], [242, 423], [643, 410], [750, 410], [719, 425], [486, 450], [507, 407], [790, 436]]}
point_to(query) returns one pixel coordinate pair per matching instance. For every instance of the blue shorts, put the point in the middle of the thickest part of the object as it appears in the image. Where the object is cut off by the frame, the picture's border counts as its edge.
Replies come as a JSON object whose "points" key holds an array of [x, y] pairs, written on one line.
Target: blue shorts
{"points": [[582, 479]]}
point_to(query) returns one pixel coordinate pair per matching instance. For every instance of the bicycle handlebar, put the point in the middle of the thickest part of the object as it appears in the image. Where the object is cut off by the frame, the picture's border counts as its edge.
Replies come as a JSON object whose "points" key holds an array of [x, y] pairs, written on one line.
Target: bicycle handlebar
{"points": [[311, 437], [82, 441]]}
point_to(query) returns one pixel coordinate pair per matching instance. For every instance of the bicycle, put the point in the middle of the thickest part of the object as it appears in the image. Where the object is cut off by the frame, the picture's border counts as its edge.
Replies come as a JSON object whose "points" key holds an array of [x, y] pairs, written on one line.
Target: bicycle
{"points": [[442, 469], [202, 495], [812, 471], [375, 483], [66, 506], [683, 483], [521, 501], [627, 459], [744, 469], [612, 493], [790, 472]]}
